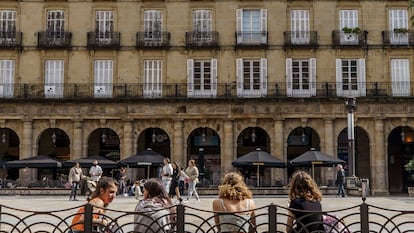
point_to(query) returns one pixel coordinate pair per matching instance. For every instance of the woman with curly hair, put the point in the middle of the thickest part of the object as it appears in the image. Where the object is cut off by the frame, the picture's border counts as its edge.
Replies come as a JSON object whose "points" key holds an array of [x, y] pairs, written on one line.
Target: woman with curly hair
{"points": [[305, 205], [234, 208]]}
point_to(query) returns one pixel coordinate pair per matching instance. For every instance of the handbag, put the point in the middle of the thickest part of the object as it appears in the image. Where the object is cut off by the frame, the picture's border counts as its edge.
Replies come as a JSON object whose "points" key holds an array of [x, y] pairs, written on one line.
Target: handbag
{"points": [[333, 224]]}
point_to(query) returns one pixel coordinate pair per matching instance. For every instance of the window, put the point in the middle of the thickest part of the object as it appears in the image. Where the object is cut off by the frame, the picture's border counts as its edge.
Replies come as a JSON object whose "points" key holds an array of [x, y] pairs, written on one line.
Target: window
{"points": [[398, 21], [6, 78], [301, 77], [400, 77], [54, 78], [202, 78], [202, 25], [7, 25], [350, 77], [251, 77], [153, 25], [251, 26], [348, 19], [103, 73], [104, 26], [299, 26], [152, 78]]}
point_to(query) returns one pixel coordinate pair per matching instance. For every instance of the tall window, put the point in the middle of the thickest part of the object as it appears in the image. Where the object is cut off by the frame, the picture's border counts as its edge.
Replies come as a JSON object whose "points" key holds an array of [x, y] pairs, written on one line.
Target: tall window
{"points": [[103, 73], [350, 77], [54, 71], [299, 26], [202, 78], [153, 25], [348, 19], [104, 26], [252, 77], [7, 24], [301, 77], [6, 78], [400, 77], [251, 26], [398, 20], [152, 78], [55, 22], [202, 25]]}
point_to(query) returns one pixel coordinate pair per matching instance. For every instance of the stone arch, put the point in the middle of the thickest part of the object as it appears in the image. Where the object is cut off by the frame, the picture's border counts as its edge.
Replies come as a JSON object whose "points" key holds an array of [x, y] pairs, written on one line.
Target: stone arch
{"points": [[155, 138], [104, 142]]}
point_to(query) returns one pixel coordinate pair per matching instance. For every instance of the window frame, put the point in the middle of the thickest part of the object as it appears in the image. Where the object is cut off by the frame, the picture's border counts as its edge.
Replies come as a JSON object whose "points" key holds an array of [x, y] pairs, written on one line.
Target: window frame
{"points": [[152, 78]]}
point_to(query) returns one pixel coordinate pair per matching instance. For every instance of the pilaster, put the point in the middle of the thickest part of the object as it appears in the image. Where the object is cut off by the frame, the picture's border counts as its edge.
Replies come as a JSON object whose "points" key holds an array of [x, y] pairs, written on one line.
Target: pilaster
{"points": [[77, 140], [379, 171], [178, 143], [228, 155], [128, 142]]}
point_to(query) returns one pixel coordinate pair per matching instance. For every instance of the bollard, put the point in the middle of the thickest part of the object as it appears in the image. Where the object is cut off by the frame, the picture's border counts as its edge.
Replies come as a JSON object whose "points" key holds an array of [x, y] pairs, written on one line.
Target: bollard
{"points": [[364, 189]]}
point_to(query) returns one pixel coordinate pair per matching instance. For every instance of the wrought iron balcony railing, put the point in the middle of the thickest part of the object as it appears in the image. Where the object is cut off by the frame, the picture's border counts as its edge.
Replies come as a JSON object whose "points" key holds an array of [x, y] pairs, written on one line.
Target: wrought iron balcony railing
{"points": [[301, 39], [201, 39], [153, 39], [11, 39], [398, 38], [104, 40], [342, 39], [252, 39], [221, 91], [54, 40]]}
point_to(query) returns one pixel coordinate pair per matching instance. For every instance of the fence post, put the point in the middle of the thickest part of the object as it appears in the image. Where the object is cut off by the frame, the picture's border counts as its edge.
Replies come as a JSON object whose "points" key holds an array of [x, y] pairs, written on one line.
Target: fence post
{"points": [[364, 218], [272, 219], [88, 218], [180, 218]]}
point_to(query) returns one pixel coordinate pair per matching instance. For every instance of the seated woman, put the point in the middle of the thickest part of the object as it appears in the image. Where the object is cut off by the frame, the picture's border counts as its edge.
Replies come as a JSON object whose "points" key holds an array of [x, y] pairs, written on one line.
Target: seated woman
{"points": [[305, 206], [156, 213], [234, 198]]}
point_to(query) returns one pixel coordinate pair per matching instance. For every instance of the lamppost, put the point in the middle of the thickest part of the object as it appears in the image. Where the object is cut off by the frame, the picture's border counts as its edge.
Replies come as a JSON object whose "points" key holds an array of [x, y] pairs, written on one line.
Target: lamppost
{"points": [[350, 103]]}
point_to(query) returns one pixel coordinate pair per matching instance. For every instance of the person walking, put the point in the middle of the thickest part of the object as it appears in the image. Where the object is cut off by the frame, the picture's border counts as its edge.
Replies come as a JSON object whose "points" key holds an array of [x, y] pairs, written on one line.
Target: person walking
{"points": [[305, 209], [74, 177], [340, 180], [95, 171], [192, 173], [174, 190], [121, 177], [236, 199], [182, 181], [166, 174]]}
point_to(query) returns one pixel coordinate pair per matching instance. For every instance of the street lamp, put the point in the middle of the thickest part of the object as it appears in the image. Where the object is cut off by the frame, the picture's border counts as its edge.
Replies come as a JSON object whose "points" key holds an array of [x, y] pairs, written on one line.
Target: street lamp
{"points": [[350, 103]]}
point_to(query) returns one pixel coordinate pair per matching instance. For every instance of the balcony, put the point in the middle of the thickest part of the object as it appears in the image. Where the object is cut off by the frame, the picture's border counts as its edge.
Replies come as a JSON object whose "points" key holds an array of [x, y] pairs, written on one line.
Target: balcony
{"points": [[301, 39], [201, 39], [11, 40], [398, 38], [252, 39], [54, 40], [341, 39], [152, 40], [104, 40]]}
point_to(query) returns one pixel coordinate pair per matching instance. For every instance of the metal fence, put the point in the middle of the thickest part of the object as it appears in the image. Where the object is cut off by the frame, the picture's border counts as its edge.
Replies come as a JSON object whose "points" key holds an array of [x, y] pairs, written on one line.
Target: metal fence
{"points": [[270, 219]]}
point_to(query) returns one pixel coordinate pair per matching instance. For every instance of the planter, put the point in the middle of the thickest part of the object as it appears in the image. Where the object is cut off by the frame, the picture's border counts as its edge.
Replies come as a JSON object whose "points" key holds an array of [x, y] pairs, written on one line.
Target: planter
{"points": [[411, 191]]}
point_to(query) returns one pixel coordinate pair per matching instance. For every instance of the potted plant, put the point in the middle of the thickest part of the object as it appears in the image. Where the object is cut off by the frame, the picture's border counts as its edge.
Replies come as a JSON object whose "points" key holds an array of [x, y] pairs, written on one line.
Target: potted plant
{"points": [[400, 30], [356, 30], [347, 30]]}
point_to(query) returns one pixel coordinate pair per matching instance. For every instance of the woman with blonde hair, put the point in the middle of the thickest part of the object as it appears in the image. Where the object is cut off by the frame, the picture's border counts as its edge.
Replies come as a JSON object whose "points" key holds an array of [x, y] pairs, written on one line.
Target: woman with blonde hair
{"points": [[192, 173], [235, 198], [305, 205]]}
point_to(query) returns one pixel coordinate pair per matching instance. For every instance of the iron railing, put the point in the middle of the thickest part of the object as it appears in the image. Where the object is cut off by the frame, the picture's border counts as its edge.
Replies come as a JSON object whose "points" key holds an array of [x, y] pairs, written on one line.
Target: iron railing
{"points": [[220, 91], [201, 39], [104, 40], [50, 39], [11, 39], [342, 39], [252, 39], [301, 39], [398, 38], [153, 39], [271, 219]]}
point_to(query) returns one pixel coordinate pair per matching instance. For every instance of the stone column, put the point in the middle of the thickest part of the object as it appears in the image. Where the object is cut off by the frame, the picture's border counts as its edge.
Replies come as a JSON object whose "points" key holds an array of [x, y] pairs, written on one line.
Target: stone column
{"points": [[328, 147], [278, 150], [128, 142], [178, 144], [26, 149], [227, 153], [379, 171], [77, 140]]}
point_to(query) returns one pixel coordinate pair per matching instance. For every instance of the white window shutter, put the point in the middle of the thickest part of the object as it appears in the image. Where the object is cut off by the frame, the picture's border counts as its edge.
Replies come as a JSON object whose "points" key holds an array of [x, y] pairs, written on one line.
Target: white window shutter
{"points": [[339, 91], [263, 16], [289, 76], [239, 74], [263, 76], [190, 77], [214, 76], [312, 74], [239, 21], [361, 77]]}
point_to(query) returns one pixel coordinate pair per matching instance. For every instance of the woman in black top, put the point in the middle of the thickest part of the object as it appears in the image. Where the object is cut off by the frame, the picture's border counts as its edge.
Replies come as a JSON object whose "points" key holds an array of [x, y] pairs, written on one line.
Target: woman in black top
{"points": [[174, 190], [305, 206]]}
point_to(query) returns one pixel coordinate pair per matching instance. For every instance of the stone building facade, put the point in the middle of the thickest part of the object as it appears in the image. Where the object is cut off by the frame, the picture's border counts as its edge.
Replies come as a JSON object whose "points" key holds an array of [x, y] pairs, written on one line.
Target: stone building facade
{"points": [[211, 80]]}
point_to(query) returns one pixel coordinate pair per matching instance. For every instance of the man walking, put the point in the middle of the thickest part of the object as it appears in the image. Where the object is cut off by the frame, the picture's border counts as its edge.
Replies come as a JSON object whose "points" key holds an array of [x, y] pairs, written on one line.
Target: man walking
{"points": [[340, 180], [95, 171], [75, 175], [166, 174]]}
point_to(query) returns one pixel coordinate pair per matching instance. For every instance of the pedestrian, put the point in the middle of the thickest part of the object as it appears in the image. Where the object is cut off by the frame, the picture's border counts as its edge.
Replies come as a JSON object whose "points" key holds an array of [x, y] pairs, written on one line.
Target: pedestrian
{"points": [[166, 174], [182, 181], [304, 205], [95, 171], [235, 198], [340, 180], [156, 212], [104, 194], [74, 177], [192, 173], [174, 190], [121, 177]]}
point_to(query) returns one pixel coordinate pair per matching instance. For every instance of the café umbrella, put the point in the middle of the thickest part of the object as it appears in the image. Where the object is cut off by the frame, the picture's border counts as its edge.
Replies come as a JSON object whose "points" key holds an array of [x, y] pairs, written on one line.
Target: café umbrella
{"points": [[258, 158], [146, 158], [39, 161], [88, 161]]}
